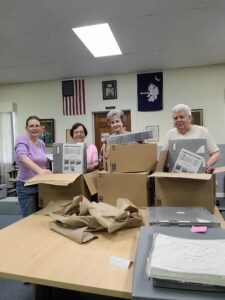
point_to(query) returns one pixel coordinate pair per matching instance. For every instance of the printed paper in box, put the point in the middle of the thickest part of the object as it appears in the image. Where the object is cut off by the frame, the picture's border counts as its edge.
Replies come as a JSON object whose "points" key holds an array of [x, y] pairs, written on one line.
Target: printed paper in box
{"points": [[187, 155], [69, 158]]}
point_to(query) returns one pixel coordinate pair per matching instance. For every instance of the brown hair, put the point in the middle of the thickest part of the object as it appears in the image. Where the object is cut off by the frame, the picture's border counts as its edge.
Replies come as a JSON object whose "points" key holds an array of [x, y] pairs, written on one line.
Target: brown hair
{"points": [[32, 118], [75, 126]]}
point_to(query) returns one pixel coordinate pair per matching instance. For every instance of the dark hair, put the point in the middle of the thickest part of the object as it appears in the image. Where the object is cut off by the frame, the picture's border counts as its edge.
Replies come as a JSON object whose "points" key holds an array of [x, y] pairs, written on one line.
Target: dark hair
{"points": [[75, 126], [32, 118]]}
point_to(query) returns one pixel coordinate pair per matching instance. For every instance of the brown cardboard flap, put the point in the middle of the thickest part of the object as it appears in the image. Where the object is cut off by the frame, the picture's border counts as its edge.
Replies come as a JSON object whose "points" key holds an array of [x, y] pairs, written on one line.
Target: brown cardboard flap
{"points": [[91, 181], [181, 175], [54, 179], [162, 161], [219, 170]]}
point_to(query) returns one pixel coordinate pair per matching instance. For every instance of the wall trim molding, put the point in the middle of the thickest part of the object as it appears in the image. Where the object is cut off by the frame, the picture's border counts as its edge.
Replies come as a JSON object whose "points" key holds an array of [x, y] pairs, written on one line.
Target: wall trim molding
{"points": [[220, 195], [7, 107]]}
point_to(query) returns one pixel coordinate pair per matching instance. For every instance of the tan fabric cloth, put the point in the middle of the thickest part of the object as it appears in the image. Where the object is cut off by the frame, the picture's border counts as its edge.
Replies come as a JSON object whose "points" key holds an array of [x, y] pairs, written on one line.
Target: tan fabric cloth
{"points": [[52, 206], [78, 218], [79, 235], [113, 218]]}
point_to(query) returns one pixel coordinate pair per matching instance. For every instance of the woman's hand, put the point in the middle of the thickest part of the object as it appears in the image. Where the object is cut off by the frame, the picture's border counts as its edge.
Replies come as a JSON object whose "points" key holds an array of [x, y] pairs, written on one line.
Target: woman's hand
{"points": [[44, 171], [208, 169], [92, 167]]}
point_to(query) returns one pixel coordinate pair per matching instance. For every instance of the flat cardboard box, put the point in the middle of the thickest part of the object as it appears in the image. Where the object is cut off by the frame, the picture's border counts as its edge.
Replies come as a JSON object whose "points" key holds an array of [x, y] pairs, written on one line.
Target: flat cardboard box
{"points": [[64, 186], [130, 137], [124, 158], [133, 186], [184, 189], [69, 158]]}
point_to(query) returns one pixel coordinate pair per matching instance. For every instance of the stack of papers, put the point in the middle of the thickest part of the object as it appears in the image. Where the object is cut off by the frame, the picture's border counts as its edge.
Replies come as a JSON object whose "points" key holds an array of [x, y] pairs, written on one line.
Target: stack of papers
{"points": [[187, 260]]}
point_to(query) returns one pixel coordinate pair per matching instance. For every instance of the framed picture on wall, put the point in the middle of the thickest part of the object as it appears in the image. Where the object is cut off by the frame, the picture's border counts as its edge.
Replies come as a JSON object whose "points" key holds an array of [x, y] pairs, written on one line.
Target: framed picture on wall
{"points": [[197, 116], [154, 129], [68, 137], [47, 131], [109, 90]]}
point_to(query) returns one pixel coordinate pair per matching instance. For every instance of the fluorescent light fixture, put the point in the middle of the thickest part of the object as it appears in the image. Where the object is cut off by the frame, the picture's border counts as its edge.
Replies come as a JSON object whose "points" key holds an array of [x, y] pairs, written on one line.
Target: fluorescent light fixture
{"points": [[99, 39]]}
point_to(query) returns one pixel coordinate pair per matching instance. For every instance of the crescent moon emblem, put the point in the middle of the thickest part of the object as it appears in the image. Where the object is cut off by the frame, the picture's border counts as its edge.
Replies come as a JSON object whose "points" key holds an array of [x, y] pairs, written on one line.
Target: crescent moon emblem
{"points": [[157, 79]]}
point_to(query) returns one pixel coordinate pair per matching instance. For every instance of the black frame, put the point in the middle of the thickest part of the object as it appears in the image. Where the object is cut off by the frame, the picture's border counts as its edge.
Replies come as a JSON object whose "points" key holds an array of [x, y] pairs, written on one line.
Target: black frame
{"points": [[50, 127], [69, 139], [109, 89], [197, 116]]}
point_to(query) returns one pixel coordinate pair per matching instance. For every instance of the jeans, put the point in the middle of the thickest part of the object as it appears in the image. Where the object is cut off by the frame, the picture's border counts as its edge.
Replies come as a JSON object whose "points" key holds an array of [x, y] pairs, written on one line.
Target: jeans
{"points": [[28, 198]]}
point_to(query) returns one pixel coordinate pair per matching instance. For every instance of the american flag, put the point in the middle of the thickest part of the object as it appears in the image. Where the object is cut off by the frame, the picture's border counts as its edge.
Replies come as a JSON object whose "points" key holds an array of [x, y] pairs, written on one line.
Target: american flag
{"points": [[73, 94]]}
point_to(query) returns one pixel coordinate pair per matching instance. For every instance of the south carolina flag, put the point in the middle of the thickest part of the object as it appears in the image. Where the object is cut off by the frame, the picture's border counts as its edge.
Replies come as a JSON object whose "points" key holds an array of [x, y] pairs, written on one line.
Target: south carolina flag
{"points": [[150, 91]]}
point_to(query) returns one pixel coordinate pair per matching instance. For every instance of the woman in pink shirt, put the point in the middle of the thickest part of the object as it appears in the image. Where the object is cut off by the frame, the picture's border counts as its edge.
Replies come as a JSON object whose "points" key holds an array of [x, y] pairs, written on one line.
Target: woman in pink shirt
{"points": [[78, 132]]}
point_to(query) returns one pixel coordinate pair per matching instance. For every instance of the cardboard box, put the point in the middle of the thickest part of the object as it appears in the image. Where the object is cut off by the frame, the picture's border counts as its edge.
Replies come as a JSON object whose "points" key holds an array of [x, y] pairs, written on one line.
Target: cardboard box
{"points": [[133, 186], [69, 158], [124, 158], [184, 189], [3, 191], [64, 186]]}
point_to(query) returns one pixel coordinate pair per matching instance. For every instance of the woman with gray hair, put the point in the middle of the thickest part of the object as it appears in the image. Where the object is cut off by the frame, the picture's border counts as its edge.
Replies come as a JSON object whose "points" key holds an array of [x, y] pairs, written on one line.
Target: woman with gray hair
{"points": [[184, 129], [116, 120]]}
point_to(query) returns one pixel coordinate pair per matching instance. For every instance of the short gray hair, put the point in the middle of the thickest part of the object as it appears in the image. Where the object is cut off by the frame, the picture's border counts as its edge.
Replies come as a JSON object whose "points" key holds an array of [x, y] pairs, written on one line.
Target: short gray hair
{"points": [[182, 107], [116, 112]]}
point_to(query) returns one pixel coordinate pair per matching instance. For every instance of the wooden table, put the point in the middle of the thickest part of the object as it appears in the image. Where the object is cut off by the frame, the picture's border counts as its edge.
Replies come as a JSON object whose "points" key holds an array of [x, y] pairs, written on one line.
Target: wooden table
{"points": [[31, 252]]}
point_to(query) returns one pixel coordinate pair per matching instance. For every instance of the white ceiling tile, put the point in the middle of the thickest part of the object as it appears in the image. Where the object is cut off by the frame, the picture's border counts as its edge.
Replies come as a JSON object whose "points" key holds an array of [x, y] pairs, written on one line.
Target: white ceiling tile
{"points": [[37, 43]]}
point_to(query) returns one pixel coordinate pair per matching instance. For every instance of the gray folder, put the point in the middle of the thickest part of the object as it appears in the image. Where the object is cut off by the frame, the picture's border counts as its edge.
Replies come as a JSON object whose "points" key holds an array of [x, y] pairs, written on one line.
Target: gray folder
{"points": [[143, 289], [187, 153], [181, 216]]}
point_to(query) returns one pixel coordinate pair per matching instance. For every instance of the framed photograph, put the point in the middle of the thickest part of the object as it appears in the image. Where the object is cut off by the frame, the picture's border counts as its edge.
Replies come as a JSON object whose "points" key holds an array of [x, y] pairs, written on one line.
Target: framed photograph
{"points": [[154, 129], [197, 116], [47, 133], [109, 90], [68, 137]]}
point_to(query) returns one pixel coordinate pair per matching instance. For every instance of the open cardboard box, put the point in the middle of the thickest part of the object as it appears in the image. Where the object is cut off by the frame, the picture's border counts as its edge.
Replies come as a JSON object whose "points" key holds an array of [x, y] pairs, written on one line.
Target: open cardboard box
{"points": [[133, 186], [126, 158], [184, 189], [64, 186]]}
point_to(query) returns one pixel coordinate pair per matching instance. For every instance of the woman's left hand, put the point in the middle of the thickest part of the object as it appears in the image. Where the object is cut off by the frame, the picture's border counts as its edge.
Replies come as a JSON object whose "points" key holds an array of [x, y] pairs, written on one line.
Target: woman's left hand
{"points": [[45, 171]]}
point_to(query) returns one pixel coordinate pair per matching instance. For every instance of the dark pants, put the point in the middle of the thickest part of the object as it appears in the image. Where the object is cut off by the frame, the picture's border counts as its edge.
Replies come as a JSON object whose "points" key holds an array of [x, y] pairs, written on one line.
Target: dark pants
{"points": [[28, 198]]}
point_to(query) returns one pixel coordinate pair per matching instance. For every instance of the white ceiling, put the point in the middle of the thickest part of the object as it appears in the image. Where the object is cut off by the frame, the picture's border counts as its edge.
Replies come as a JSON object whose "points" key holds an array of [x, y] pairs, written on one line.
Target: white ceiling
{"points": [[37, 43]]}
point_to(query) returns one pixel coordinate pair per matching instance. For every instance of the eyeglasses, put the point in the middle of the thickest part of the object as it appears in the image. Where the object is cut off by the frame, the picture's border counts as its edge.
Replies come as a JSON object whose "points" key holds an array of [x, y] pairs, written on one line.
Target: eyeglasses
{"points": [[34, 126], [78, 132]]}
